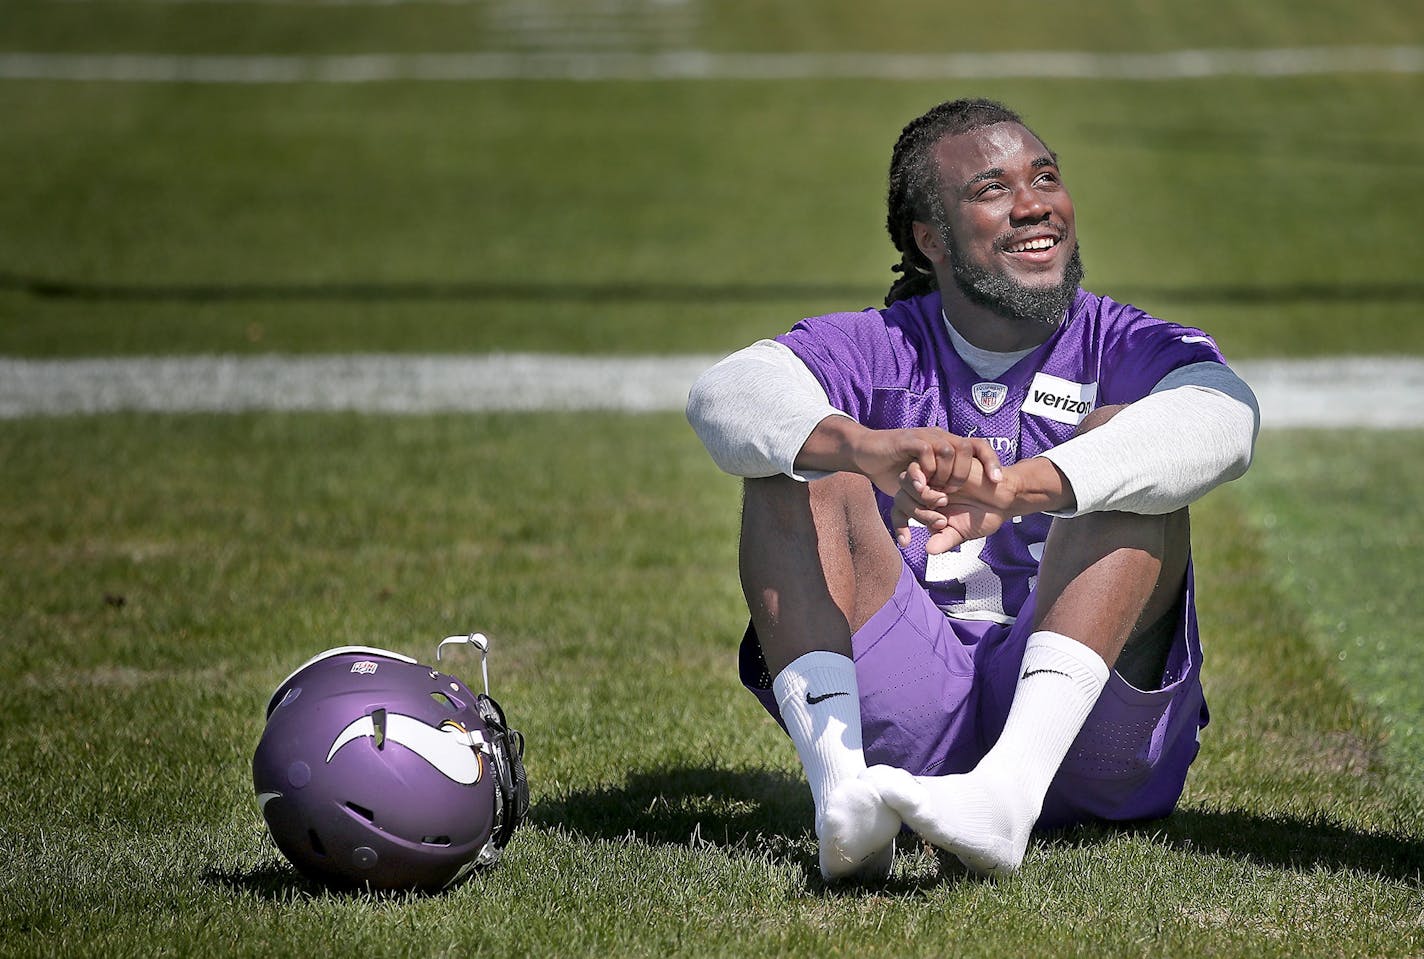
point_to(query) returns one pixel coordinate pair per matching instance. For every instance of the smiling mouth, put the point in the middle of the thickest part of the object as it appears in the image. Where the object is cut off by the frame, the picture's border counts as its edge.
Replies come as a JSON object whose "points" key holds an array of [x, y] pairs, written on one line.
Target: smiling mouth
{"points": [[1033, 245]]}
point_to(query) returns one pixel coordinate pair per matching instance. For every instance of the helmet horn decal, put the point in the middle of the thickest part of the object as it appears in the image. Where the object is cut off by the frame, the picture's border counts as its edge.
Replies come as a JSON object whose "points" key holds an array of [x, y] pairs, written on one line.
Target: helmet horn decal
{"points": [[450, 749]]}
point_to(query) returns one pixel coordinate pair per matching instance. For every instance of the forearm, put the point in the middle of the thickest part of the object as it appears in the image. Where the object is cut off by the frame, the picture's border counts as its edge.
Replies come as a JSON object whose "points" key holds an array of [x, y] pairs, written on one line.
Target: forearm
{"points": [[831, 447], [1165, 450], [1036, 485], [755, 410]]}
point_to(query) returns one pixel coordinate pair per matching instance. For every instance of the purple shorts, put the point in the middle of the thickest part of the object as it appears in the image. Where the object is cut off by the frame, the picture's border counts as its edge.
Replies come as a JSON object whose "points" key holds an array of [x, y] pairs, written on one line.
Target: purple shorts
{"points": [[934, 694]]}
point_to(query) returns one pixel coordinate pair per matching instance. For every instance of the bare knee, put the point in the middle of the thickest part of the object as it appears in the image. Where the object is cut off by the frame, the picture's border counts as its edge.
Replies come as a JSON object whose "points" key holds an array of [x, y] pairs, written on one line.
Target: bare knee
{"points": [[1099, 416], [831, 506], [773, 498], [827, 536], [1112, 575]]}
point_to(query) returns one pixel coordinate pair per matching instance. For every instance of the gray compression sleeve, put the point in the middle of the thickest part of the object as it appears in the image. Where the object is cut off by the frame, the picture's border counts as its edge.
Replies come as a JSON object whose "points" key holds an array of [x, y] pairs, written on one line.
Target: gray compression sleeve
{"points": [[1195, 431], [754, 410]]}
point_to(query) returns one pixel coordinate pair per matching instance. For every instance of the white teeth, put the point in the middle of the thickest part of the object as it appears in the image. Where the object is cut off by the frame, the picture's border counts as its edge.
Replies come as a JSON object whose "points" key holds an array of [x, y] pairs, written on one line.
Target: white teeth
{"points": [[1043, 243]]}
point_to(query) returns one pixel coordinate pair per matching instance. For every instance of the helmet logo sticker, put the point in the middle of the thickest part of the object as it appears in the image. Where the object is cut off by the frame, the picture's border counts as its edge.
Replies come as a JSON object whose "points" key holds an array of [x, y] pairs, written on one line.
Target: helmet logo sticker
{"points": [[450, 749], [365, 667]]}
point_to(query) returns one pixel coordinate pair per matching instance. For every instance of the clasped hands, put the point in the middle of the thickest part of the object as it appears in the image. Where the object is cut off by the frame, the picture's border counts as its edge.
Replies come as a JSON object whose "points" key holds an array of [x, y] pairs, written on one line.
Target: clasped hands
{"points": [[952, 485]]}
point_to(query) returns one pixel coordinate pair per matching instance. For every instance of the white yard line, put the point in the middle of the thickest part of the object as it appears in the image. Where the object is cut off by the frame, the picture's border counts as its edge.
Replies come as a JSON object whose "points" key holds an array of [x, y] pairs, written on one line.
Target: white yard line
{"points": [[700, 65], [1342, 392], [367, 383]]}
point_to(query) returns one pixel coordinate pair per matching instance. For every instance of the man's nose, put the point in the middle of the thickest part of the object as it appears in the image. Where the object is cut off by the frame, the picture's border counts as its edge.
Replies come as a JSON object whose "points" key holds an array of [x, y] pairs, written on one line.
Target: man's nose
{"points": [[1029, 207]]}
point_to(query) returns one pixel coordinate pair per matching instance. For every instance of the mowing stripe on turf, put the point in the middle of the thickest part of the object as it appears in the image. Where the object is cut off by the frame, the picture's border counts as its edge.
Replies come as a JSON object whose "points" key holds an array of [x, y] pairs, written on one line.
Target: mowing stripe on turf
{"points": [[701, 65], [1360, 392]]}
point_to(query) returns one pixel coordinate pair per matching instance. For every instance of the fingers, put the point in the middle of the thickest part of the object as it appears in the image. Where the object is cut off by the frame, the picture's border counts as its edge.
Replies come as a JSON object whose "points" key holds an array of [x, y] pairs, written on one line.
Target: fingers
{"points": [[953, 464], [943, 536], [944, 540], [940, 468], [916, 501], [925, 462], [955, 459], [927, 518], [916, 487], [984, 453]]}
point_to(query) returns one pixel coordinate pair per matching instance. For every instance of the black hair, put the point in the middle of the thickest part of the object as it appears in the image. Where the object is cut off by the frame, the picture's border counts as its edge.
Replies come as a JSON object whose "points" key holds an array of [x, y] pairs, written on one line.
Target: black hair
{"points": [[914, 185]]}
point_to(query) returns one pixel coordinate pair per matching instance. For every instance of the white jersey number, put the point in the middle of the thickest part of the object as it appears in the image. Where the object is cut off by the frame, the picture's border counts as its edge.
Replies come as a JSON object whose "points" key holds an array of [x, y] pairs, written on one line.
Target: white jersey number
{"points": [[983, 589]]}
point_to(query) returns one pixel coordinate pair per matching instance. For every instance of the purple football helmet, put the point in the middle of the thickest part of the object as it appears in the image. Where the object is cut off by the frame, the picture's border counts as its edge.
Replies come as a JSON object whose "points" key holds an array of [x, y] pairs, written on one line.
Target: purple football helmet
{"points": [[376, 771]]}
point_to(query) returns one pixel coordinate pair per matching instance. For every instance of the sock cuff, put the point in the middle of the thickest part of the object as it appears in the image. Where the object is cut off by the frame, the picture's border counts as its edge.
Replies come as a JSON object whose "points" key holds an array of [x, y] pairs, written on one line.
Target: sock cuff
{"points": [[816, 672], [1050, 650], [820, 705]]}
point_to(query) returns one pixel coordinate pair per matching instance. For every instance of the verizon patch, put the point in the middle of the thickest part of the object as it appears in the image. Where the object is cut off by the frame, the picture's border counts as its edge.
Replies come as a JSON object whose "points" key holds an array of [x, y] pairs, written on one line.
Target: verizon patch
{"points": [[1058, 399]]}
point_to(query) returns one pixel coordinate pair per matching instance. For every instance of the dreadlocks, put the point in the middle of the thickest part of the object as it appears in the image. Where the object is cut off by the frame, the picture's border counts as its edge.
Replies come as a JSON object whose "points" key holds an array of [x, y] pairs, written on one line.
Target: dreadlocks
{"points": [[914, 185]]}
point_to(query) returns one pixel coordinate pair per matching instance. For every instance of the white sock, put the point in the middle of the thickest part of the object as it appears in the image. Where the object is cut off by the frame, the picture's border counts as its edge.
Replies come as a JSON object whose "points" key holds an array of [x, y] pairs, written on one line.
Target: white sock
{"points": [[820, 704], [985, 816]]}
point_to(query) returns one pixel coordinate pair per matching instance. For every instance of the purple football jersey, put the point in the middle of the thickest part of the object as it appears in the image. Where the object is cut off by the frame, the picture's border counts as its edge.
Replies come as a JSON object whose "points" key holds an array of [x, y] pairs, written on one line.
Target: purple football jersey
{"points": [[897, 368]]}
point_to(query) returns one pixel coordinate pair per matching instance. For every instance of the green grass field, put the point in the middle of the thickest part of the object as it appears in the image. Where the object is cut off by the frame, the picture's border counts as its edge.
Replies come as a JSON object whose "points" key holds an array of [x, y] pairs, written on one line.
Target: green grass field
{"points": [[159, 574]]}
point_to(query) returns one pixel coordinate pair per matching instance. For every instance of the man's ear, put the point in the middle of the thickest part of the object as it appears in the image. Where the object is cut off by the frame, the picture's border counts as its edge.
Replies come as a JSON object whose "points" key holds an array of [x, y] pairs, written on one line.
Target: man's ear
{"points": [[929, 241]]}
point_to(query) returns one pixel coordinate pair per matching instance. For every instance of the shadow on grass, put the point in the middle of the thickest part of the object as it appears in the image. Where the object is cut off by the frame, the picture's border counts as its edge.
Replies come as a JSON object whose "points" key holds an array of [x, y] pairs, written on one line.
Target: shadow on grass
{"points": [[273, 881], [632, 291], [753, 812], [687, 806], [279, 882], [768, 814], [768, 811], [1321, 144], [749, 811], [1277, 842]]}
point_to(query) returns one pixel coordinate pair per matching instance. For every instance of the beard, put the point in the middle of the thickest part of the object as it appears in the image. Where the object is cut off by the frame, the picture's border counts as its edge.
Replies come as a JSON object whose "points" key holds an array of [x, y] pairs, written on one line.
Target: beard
{"points": [[1012, 300]]}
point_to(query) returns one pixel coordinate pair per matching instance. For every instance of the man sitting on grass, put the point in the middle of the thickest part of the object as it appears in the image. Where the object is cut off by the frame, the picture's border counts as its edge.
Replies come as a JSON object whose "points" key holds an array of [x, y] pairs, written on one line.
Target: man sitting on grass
{"points": [[965, 544]]}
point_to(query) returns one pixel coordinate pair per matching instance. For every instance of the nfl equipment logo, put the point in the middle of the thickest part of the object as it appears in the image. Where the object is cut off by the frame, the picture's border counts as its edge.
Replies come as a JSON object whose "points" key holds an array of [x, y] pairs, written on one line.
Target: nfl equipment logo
{"points": [[365, 667], [988, 396]]}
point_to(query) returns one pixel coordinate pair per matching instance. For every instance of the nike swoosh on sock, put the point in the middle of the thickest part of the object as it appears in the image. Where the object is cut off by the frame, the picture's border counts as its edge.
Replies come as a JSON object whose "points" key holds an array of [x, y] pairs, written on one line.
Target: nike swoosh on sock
{"points": [[1035, 672]]}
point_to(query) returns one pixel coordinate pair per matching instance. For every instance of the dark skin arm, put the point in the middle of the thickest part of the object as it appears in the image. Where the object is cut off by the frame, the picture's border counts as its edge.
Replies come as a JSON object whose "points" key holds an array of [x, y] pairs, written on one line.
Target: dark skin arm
{"points": [[942, 462], [953, 485]]}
